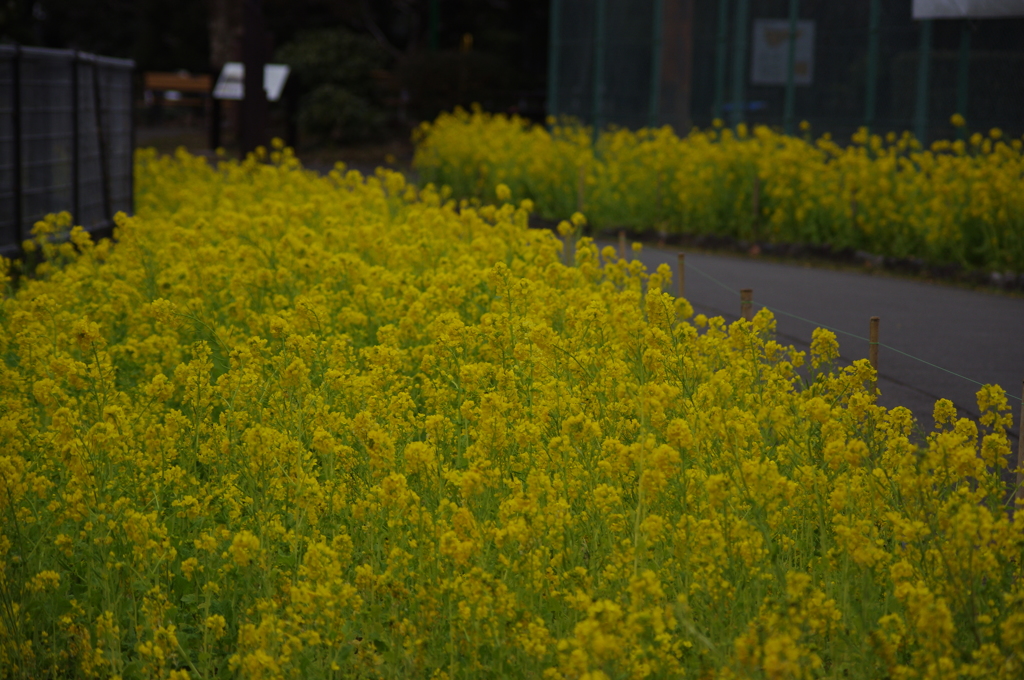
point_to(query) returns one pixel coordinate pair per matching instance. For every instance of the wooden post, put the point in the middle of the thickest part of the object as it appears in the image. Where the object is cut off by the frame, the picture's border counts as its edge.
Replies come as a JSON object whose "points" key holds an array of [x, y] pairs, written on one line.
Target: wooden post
{"points": [[682, 274], [1020, 449], [622, 244], [747, 303], [873, 343]]}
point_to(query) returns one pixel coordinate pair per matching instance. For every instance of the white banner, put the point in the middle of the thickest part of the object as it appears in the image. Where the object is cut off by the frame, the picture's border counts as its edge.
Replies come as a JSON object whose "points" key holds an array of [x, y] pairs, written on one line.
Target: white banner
{"points": [[770, 55], [959, 9]]}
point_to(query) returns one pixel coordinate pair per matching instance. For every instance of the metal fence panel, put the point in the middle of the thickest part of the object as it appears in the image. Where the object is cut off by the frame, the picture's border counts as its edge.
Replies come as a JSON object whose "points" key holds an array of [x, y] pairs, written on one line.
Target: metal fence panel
{"points": [[66, 138], [47, 134], [621, 51], [90, 177], [116, 114]]}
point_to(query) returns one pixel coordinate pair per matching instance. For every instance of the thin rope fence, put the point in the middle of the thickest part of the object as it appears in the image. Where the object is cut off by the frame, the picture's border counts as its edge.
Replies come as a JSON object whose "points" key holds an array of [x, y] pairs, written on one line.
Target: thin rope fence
{"points": [[776, 310]]}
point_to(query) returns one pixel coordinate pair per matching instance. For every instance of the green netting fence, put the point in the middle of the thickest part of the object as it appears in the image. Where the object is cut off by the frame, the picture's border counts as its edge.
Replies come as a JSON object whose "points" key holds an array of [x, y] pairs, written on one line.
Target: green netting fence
{"points": [[686, 62]]}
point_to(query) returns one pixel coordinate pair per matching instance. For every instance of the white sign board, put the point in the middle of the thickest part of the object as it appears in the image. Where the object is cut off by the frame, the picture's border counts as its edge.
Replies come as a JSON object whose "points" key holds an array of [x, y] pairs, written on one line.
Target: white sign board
{"points": [[958, 9], [231, 82], [770, 56]]}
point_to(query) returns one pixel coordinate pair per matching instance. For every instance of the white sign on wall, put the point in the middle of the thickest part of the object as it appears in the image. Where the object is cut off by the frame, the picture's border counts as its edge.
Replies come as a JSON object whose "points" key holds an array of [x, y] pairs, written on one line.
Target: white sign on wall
{"points": [[231, 82], [958, 9], [770, 56]]}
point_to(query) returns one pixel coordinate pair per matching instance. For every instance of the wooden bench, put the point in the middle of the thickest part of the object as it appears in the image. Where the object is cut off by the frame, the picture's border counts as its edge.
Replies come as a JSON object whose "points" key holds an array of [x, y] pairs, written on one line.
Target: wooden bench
{"points": [[156, 81]]}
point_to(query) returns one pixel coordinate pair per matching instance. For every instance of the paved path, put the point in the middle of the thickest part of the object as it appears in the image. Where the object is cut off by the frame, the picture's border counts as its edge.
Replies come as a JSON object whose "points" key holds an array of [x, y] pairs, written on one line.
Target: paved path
{"points": [[977, 335]]}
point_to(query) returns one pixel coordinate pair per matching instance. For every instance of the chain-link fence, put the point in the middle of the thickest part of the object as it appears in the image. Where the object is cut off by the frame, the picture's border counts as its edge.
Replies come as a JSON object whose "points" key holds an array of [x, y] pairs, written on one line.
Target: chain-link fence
{"points": [[866, 62], [65, 139]]}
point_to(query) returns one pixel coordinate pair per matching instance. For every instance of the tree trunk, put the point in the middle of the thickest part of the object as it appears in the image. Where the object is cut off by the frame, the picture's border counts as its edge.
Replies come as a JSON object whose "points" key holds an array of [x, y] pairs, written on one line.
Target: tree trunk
{"points": [[226, 27]]}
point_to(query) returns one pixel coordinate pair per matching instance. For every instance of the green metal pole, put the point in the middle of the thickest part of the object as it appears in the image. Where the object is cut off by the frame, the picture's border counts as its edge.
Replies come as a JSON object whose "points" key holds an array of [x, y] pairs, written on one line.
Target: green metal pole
{"points": [[963, 75], [739, 64], [656, 43], [435, 23], [598, 88], [924, 56], [554, 55], [789, 113], [721, 45], [871, 95]]}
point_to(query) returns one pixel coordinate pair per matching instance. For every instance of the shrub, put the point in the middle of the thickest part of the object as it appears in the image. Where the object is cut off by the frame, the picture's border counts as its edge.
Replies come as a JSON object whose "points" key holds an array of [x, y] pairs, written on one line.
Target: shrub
{"points": [[334, 69]]}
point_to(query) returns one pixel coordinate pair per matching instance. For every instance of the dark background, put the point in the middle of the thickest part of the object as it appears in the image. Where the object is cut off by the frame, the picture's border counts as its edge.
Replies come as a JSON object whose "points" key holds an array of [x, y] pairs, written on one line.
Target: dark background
{"points": [[384, 74], [366, 71]]}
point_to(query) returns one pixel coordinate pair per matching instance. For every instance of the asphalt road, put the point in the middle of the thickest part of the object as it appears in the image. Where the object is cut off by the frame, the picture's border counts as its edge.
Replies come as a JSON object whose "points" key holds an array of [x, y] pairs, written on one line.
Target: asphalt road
{"points": [[977, 335]]}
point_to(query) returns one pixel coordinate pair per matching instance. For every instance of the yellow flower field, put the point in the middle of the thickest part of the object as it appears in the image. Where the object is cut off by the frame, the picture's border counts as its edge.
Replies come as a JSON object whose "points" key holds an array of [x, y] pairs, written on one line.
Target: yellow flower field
{"points": [[294, 426], [955, 203]]}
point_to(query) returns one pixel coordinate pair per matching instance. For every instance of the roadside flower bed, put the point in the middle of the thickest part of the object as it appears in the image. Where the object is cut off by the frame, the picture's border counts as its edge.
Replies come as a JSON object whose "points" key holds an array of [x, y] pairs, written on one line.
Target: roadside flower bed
{"points": [[955, 203], [294, 426]]}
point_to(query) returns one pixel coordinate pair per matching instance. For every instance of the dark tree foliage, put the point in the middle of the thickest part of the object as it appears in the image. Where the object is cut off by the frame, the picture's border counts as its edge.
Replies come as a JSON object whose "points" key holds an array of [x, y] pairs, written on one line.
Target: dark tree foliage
{"points": [[491, 52], [334, 68]]}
